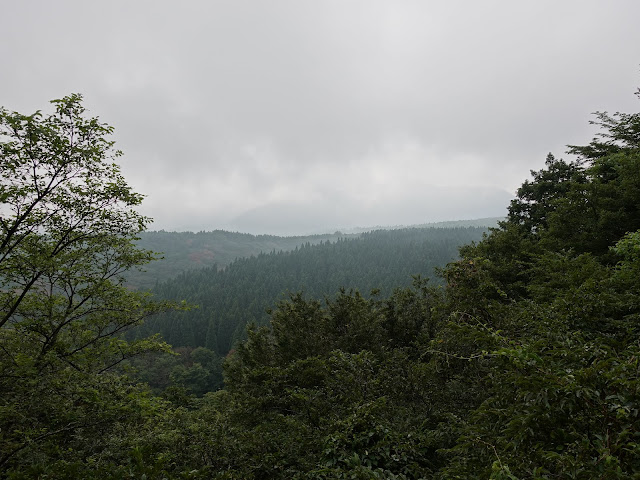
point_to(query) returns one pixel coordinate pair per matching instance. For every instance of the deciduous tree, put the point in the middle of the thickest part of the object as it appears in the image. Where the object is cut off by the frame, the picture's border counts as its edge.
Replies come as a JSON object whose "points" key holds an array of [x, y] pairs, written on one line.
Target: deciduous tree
{"points": [[67, 226]]}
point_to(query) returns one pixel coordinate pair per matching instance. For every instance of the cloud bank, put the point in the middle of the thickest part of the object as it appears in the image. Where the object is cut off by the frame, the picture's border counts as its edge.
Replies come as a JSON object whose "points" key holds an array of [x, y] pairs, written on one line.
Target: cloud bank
{"points": [[293, 116]]}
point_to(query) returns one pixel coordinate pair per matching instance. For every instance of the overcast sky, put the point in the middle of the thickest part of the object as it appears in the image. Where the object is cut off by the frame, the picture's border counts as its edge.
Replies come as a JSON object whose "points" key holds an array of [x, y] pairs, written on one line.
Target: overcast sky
{"points": [[274, 116]]}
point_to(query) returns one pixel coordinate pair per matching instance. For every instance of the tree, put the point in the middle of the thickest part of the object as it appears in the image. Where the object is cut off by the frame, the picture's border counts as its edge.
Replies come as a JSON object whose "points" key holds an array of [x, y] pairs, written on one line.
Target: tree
{"points": [[549, 304], [535, 199], [67, 226]]}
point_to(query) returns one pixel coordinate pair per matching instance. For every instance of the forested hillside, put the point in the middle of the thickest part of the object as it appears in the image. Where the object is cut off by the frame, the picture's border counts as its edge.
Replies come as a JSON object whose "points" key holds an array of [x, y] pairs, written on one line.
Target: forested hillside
{"points": [[523, 364], [229, 299], [184, 251]]}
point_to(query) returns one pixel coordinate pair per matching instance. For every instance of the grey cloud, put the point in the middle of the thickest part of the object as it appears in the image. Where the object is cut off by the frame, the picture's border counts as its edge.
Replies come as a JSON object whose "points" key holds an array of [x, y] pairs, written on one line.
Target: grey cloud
{"points": [[431, 204], [229, 111]]}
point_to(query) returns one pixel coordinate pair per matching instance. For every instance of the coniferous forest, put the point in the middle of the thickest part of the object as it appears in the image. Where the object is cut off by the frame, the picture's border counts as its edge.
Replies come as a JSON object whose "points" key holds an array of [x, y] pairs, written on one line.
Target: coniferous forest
{"points": [[521, 361], [226, 300]]}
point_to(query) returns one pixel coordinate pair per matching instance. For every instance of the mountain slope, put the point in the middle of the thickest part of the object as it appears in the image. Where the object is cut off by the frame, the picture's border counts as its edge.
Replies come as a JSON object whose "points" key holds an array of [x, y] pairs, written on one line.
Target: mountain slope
{"points": [[230, 298]]}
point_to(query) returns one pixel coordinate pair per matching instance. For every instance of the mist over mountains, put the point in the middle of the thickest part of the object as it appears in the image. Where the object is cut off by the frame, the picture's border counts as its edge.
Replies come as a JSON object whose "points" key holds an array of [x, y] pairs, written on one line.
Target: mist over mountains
{"points": [[338, 212]]}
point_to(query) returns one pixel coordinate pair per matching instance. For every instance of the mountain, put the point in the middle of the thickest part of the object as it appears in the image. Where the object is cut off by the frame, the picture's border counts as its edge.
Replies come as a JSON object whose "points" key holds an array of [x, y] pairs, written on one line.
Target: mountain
{"points": [[229, 298], [184, 251]]}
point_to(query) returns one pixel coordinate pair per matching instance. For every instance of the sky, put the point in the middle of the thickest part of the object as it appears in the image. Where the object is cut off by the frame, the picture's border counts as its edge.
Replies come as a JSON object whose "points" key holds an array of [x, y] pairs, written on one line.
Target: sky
{"points": [[304, 116]]}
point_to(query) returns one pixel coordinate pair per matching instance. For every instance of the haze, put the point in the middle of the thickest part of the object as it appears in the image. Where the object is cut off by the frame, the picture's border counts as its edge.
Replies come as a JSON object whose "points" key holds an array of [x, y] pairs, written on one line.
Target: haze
{"points": [[293, 117]]}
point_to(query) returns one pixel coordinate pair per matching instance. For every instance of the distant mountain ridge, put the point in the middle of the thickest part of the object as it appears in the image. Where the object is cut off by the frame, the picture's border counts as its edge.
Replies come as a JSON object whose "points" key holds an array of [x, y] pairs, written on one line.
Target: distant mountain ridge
{"points": [[488, 222], [341, 211], [228, 299], [184, 251]]}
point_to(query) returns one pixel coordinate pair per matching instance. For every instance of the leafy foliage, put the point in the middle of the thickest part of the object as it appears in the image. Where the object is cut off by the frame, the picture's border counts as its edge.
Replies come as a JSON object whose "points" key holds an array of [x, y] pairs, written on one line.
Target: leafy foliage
{"points": [[561, 331], [67, 229]]}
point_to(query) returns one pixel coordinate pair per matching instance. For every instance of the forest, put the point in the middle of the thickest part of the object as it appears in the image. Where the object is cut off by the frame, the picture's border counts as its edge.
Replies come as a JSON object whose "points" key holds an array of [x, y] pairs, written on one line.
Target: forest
{"points": [[225, 301], [521, 361], [184, 251]]}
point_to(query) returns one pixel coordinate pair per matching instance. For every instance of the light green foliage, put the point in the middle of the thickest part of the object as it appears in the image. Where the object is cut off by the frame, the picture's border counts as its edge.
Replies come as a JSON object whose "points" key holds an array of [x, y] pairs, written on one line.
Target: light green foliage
{"points": [[67, 225]]}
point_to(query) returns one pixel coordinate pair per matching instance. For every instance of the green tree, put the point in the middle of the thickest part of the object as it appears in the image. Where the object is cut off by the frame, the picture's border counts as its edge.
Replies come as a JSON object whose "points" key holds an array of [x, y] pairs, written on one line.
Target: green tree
{"points": [[545, 309], [67, 226], [535, 199]]}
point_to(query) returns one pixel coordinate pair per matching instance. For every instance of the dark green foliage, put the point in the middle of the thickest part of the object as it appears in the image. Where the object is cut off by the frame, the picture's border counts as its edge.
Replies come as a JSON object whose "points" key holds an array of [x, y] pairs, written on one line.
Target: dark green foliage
{"points": [[194, 370], [184, 251], [232, 298], [556, 321], [536, 199], [348, 406]]}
